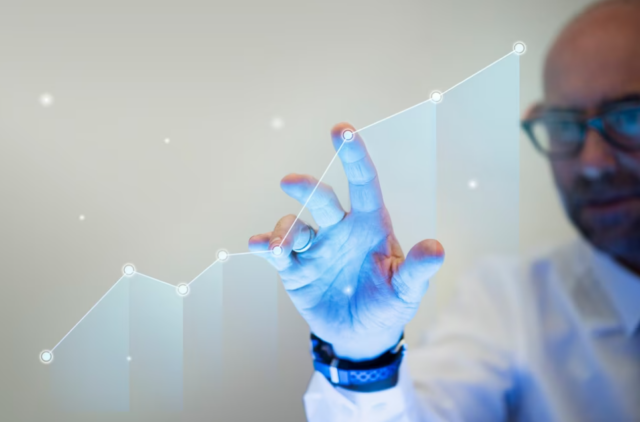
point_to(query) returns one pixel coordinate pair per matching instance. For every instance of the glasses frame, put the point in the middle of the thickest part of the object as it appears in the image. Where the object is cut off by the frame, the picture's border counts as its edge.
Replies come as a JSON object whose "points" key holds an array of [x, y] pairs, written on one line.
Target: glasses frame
{"points": [[595, 122]]}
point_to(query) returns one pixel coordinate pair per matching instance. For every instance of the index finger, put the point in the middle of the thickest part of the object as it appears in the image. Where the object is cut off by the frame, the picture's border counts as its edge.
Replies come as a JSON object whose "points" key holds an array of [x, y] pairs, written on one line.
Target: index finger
{"points": [[364, 186]]}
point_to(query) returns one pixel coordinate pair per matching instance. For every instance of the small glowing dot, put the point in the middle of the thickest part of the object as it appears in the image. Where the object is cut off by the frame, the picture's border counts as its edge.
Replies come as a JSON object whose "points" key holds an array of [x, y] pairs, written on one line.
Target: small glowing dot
{"points": [[167, 140], [277, 123], [128, 269], [222, 255], [519, 48], [129, 358], [348, 135], [46, 100], [46, 356], [183, 289], [81, 217], [436, 96], [348, 290], [472, 184], [277, 251]]}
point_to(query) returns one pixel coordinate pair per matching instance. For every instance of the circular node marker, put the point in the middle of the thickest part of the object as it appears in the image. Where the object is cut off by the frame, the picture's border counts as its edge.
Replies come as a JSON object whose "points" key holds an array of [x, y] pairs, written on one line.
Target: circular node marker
{"points": [[472, 184], [222, 255], [182, 289], [46, 356], [46, 100], [128, 269], [277, 251], [348, 135], [436, 96], [519, 48]]}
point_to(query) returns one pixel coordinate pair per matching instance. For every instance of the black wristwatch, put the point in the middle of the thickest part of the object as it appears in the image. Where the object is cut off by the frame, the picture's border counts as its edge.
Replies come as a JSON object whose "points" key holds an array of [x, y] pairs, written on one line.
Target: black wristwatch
{"points": [[365, 376]]}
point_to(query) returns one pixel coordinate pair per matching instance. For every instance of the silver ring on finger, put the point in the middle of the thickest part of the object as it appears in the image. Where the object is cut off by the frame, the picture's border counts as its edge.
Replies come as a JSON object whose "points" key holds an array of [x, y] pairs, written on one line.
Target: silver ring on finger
{"points": [[312, 236]]}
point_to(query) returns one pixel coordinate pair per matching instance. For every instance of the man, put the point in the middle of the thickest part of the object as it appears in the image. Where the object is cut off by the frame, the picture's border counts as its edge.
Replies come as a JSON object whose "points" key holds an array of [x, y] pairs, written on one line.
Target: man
{"points": [[549, 339]]}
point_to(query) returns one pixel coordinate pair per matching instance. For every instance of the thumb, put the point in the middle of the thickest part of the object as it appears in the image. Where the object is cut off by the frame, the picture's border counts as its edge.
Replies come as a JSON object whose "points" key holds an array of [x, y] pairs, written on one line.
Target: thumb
{"points": [[411, 280]]}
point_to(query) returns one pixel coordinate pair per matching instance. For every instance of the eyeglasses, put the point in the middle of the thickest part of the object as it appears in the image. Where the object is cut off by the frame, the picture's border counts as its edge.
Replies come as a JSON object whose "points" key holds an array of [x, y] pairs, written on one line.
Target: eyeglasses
{"points": [[561, 133]]}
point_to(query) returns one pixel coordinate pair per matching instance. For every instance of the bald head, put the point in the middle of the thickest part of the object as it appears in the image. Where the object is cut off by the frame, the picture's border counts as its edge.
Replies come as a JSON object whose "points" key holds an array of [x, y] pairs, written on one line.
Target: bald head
{"points": [[596, 56]]}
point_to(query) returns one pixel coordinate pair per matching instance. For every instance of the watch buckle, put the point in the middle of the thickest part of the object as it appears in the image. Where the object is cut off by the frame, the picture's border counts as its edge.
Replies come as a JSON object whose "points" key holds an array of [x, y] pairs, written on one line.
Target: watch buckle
{"points": [[333, 371]]}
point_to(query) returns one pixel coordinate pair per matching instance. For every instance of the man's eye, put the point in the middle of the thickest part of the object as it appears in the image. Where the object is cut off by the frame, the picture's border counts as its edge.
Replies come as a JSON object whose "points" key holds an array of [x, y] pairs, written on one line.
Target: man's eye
{"points": [[564, 131], [626, 122]]}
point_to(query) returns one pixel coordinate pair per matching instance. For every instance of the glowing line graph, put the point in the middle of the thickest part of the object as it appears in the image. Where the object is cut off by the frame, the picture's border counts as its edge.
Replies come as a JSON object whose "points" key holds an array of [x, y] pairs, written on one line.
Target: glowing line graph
{"points": [[46, 356], [517, 49]]}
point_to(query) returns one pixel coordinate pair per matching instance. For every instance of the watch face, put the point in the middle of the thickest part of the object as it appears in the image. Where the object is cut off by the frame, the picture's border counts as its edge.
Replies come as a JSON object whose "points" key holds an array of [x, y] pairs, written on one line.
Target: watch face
{"points": [[321, 350], [326, 349]]}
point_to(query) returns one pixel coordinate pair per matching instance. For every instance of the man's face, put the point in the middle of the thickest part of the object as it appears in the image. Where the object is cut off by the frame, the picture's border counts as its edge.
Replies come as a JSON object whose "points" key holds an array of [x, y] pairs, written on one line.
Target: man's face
{"points": [[594, 61]]}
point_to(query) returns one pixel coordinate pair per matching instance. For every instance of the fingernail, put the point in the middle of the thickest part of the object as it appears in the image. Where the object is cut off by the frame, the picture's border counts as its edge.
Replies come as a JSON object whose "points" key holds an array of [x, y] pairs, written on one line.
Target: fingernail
{"points": [[275, 242]]}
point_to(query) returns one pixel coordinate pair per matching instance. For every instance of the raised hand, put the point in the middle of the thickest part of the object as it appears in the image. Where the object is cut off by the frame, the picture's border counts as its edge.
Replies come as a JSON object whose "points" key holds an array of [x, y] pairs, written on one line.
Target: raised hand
{"points": [[353, 286]]}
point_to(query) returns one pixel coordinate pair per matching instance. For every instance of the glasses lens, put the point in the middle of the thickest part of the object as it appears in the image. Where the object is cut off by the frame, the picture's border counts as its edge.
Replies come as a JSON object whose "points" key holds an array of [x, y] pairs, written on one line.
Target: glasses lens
{"points": [[558, 135], [624, 125]]}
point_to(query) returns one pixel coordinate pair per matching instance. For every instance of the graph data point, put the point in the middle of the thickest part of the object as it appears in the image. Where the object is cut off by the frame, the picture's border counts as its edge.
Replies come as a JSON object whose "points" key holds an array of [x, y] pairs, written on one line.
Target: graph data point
{"points": [[472, 184], [128, 269], [182, 289], [348, 135], [277, 251], [46, 100], [519, 48], [222, 255], [436, 96], [46, 356]]}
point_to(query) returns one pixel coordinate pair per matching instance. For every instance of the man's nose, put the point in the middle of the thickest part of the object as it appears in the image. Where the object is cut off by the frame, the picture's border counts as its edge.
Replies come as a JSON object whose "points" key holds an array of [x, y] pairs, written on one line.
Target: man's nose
{"points": [[597, 156]]}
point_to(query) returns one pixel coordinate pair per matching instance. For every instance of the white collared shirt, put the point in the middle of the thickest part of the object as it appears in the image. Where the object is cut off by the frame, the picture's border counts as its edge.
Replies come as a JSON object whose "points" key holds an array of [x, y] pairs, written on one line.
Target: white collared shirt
{"points": [[549, 339]]}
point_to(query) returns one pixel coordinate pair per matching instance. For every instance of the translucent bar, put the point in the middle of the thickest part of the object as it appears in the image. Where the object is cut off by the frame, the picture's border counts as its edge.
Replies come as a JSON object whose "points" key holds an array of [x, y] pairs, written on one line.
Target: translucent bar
{"points": [[478, 167], [156, 347], [203, 325], [250, 339], [403, 149], [90, 370]]}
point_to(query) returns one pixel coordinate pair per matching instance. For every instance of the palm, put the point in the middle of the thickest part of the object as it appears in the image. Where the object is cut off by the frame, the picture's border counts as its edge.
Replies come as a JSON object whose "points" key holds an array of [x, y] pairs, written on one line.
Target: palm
{"points": [[347, 276], [352, 286]]}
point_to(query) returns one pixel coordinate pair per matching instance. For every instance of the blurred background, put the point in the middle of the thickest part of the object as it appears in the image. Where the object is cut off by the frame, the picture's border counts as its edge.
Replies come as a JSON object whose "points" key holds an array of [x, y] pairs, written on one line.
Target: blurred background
{"points": [[156, 132]]}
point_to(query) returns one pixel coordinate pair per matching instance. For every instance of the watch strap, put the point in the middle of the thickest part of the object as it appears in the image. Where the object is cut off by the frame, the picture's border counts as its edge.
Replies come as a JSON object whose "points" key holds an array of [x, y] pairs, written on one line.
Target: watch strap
{"points": [[365, 380], [366, 376]]}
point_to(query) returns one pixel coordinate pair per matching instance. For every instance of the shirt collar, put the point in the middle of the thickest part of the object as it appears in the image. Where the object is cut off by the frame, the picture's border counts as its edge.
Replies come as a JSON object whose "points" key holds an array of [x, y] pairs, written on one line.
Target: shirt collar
{"points": [[621, 286]]}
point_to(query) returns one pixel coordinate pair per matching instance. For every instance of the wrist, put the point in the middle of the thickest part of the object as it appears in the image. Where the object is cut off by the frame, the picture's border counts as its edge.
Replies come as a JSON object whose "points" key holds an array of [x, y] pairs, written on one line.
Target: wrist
{"points": [[368, 347]]}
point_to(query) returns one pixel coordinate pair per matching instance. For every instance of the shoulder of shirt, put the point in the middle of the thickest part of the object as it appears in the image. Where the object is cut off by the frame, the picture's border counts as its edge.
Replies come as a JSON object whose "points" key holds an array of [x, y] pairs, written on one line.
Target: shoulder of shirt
{"points": [[569, 260]]}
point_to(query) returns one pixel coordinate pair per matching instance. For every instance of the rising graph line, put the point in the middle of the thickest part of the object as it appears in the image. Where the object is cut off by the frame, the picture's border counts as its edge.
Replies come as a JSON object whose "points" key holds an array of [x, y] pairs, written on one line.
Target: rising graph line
{"points": [[85, 315], [380, 121], [519, 48]]}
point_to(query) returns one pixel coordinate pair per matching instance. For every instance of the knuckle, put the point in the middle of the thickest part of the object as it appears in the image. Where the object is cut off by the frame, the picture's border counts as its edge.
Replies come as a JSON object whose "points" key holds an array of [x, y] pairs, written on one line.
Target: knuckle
{"points": [[404, 291], [285, 219], [289, 217]]}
